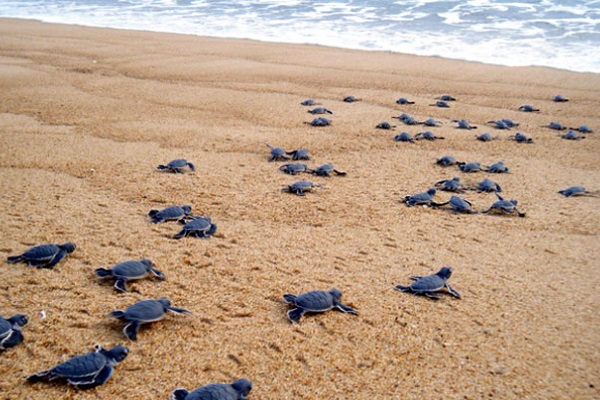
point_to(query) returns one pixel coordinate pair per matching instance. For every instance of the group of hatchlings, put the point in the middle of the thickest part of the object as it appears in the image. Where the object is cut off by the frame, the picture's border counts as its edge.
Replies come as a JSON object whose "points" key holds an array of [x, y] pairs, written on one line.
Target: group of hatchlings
{"points": [[94, 369]]}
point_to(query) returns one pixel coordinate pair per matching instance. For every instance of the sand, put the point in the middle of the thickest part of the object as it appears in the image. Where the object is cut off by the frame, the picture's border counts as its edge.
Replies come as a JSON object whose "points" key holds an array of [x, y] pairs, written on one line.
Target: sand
{"points": [[88, 114]]}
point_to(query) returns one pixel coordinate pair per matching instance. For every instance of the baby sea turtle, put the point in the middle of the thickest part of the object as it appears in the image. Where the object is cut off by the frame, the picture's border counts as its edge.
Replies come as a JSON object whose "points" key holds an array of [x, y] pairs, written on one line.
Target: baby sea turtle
{"points": [[469, 167], [560, 99], [577, 191], [385, 126], [464, 124], [497, 168], [572, 136], [177, 166], [144, 312], [320, 110], [294, 169], [86, 371], [10, 331], [174, 213], [504, 206], [428, 135], [201, 228], [450, 185], [528, 108], [441, 104], [277, 154], [351, 99], [403, 137], [407, 119], [402, 101], [422, 199], [520, 138], [432, 122], [129, 271], [485, 137], [316, 302], [582, 129], [238, 390], [319, 122], [309, 102], [326, 170], [488, 186], [44, 256], [460, 205], [301, 154], [499, 124], [446, 161], [300, 188], [555, 126], [429, 285], [446, 97]]}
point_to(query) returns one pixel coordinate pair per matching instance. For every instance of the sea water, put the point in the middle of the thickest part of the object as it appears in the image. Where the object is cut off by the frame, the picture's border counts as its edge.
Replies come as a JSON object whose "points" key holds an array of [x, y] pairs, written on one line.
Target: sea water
{"points": [[562, 34]]}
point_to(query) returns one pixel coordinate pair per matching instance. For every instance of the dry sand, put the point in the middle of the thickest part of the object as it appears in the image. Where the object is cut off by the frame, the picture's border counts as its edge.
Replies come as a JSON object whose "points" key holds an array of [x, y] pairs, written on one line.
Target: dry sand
{"points": [[86, 116]]}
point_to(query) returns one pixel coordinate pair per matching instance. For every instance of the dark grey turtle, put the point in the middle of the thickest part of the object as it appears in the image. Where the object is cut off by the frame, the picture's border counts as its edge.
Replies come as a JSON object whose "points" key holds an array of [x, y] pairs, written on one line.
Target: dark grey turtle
{"points": [[460, 205], [464, 124], [499, 124], [277, 154], [201, 228], [86, 371], [432, 122], [555, 126], [294, 169], [488, 186], [309, 102], [428, 135], [238, 390], [326, 170], [577, 191], [300, 188], [441, 104], [429, 285], [510, 123], [402, 101], [129, 271], [320, 110], [144, 312], [528, 108], [407, 119], [497, 168], [450, 185], [316, 302], [403, 137], [44, 256], [446, 97], [571, 135], [351, 99], [582, 129], [485, 137], [446, 161], [420, 199], [560, 99], [520, 138], [174, 213], [319, 122], [505, 206], [385, 126], [10, 331], [177, 166], [469, 167], [301, 154]]}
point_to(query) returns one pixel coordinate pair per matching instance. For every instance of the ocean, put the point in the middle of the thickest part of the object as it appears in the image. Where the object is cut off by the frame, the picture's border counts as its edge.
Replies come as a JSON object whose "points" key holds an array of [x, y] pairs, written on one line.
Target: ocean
{"points": [[563, 34]]}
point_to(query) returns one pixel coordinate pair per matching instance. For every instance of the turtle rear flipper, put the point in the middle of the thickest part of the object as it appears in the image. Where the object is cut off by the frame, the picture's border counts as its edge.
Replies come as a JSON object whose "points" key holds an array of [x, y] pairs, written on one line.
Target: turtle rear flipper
{"points": [[15, 259], [97, 380], [431, 295], [453, 292], [120, 285], [117, 314], [179, 394], [131, 330], [39, 377], [295, 314], [102, 273], [341, 173], [289, 298]]}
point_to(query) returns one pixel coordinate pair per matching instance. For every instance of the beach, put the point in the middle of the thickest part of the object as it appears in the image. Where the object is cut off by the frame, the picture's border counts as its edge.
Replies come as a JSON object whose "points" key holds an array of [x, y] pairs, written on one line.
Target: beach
{"points": [[87, 115]]}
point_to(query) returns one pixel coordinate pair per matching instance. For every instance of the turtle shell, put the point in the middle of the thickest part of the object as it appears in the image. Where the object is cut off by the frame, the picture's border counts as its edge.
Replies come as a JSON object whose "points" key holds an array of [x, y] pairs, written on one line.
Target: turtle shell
{"points": [[429, 283], [147, 310], [179, 163], [200, 224], [5, 328], [131, 269], [80, 366], [317, 301]]}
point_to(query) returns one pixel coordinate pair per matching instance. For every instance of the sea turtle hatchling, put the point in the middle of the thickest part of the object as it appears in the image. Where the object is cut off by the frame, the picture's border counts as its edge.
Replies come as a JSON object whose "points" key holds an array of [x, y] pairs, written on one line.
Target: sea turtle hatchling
{"points": [[277, 154], [300, 188], [422, 199], [520, 138], [177, 166], [571, 135], [385, 126], [319, 122], [505, 207], [450, 185], [555, 126], [201, 228], [294, 169], [464, 124], [499, 125], [528, 108], [441, 104], [432, 122], [428, 135], [44, 256], [497, 168], [300, 154], [446, 97], [446, 161], [238, 390], [351, 99], [319, 110], [129, 271], [144, 312], [577, 191], [10, 331], [86, 371], [460, 205], [488, 186], [309, 102], [316, 302], [403, 101], [403, 137], [560, 99], [485, 137], [430, 285], [407, 119], [469, 167], [326, 171], [582, 129], [174, 213]]}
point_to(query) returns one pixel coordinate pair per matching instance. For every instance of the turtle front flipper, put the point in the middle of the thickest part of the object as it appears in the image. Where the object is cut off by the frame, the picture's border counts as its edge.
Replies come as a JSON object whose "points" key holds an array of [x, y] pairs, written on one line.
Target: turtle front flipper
{"points": [[120, 285], [453, 292], [415, 277], [13, 339], [97, 380], [59, 256], [179, 394], [179, 311], [191, 166], [345, 309], [158, 274], [181, 234], [432, 295], [289, 298], [403, 288], [131, 330], [295, 314]]}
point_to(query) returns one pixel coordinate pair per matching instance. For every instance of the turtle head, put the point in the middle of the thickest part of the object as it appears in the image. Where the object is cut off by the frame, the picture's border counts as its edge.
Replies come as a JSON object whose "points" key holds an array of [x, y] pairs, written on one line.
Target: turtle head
{"points": [[186, 209], [146, 262], [431, 192], [242, 386], [445, 273], [68, 247], [116, 354], [335, 293], [165, 302], [18, 321]]}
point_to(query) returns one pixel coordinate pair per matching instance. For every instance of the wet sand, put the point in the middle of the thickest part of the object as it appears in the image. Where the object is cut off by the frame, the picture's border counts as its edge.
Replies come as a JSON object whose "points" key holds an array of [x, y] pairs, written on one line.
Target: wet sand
{"points": [[88, 114]]}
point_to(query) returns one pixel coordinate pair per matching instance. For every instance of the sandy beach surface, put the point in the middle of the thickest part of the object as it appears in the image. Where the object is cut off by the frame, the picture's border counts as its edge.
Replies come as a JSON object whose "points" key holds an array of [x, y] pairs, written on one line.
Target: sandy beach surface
{"points": [[86, 116]]}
